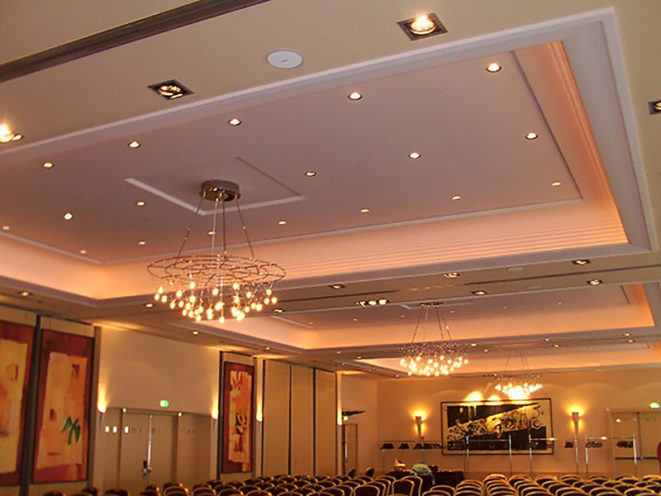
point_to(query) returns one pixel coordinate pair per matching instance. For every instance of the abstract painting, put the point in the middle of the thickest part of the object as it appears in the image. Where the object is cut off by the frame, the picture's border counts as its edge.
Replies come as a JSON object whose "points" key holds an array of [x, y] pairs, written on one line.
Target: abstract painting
{"points": [[15, 357], [488, 427], [63, 413], [237, 418]]}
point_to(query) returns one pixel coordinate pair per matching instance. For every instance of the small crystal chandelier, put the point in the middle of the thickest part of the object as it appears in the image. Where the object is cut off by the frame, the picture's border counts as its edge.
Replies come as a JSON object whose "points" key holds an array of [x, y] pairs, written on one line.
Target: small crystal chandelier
{"points": [[518, 386], [433, 358], [216, 285]]}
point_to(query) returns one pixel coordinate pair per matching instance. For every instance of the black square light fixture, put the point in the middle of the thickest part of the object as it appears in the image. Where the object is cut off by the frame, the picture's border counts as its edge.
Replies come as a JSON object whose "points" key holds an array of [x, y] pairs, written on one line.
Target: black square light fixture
{"points": [[655, 107], [422, 26], [170, 90]]}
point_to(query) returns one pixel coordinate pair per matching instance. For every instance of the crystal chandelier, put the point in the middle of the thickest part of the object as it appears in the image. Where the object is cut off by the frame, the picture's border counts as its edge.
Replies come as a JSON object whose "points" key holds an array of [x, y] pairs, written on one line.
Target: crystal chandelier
{"points": [[433, 358], [216, 285], [518, 386]]}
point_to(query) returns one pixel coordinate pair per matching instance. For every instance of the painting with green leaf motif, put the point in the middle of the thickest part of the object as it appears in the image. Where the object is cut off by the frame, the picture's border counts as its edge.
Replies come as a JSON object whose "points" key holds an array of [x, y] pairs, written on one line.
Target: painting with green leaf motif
{"points": [[64, 410]]}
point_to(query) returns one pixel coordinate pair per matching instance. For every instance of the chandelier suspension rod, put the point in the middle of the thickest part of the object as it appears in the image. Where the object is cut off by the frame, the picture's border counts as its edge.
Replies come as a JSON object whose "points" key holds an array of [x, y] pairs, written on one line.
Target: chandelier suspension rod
{"points": [[417, 325], [224, 231], [245, 228], [213, 227], [189, 228]]}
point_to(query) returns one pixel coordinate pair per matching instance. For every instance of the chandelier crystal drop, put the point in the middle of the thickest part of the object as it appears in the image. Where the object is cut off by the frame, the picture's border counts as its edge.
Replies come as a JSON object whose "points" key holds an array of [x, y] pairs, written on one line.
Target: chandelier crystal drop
{"points": [[518, 386], [216, 285], [433, 358]]}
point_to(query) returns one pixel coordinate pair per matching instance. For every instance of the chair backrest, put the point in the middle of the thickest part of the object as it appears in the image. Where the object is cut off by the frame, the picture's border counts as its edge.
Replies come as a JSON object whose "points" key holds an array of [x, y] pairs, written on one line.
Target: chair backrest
{"points": [[258, 492], [333, 491], [203, 491], [352, 473], [305, 489], [403, 486], [367, 490], [228, 491], [369, 472], [417, 484], [175, 491], [150, 492]]}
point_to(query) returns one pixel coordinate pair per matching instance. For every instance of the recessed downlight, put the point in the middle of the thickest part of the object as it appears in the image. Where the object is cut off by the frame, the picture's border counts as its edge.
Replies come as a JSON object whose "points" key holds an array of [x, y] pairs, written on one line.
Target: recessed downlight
{"points": [[627, 334], [531, 136], [48, 165], [170, 90], [414, 155], [310, 173], [282, 222], [595, 282], [493, 67], [456, 198], [336, 286], [422, 25], [24, 294], [83, 252], [630, 341], [68, 216], [234, 121], [355, 96], [479, 292], [142, 243], [134, 144], [278, 310], [6, 227], [555, 184], [373, 303], [581, 261], [451, 275], [211, 232], [556, 345], [7, 135], [364, 210], [655, 107], [149, 305], [195, 333], [140, 203]]}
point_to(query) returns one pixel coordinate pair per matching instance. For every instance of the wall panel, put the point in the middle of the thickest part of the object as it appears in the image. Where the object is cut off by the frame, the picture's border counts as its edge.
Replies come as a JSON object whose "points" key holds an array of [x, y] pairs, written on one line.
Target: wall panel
{"points": [[325, 422], [276, 418], [302, 425]]}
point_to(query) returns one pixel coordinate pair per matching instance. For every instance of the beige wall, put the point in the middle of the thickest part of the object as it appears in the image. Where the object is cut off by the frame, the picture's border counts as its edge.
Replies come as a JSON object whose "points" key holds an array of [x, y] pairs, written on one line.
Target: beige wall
{"points": [[592, 392], [276, 418], [361, 394], [325, 449]]}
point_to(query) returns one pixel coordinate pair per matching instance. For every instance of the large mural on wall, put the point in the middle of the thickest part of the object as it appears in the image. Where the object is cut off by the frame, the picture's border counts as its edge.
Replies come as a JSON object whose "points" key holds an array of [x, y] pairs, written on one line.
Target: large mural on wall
{"points": [[63, 413], [488, 427], [15, 357], [237, 418]]}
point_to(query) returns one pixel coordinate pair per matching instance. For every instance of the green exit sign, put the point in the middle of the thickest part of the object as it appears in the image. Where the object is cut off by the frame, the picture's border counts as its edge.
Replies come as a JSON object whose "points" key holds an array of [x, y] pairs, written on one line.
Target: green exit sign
{"points": [[164, 404]]}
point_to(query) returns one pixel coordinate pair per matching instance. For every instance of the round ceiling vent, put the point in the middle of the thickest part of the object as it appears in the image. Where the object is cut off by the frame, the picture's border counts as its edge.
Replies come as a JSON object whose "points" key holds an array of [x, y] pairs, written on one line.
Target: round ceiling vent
{"points": [[285, 59]]}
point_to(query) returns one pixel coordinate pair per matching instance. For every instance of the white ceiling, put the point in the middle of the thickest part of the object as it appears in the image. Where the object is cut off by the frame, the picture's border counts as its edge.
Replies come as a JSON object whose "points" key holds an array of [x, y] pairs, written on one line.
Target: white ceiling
{"points": [[572, 74]]}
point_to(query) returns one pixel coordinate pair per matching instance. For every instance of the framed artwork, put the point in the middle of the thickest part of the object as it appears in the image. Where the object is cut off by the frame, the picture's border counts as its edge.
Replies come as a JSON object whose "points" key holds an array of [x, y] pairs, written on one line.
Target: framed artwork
{"points": [[237, 417], [63, 408], [488, 427], [15, 358]]}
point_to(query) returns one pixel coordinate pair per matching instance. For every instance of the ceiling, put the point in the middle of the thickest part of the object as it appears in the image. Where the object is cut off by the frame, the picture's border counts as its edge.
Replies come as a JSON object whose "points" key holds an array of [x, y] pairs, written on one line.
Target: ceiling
{"points": [[509, 214]]}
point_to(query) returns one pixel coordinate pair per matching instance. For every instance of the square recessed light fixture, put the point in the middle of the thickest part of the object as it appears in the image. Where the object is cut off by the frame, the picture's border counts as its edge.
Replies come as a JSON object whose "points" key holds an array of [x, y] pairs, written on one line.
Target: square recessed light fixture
{"points": [[170, 90], [422, 26], [655, 107]]}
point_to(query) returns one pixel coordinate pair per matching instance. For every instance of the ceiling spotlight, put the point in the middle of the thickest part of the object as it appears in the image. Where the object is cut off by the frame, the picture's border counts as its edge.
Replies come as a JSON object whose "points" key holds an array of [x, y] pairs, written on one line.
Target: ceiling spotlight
{"points": [[149, 305], [372, 303], [337, 285], [531, 136], [211, 233], [195, 333], [170, 90], [140, 203], [627, 334], [456, 197], [555, 184], [451, 275], [359, 357], [486, 350], [24, 293], [493, 67], [581, 261], [364, 210], [479, 292], [83, 252], [142, 243], [546, 340], [655, 107], [6, 227], [414, 155], [473, 345], [7, 135], [594, 282], [355, 96], [278, 310], [47, 165], [234, 122], [282, 222], [134, 144], [630, 341], [310, 173], [68, 216], [422, 26], [556, 345]]}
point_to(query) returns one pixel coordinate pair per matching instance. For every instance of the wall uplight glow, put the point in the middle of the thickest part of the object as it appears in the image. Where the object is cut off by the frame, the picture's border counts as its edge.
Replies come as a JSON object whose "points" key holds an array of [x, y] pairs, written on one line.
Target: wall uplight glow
{"points": [[474, 396]]}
